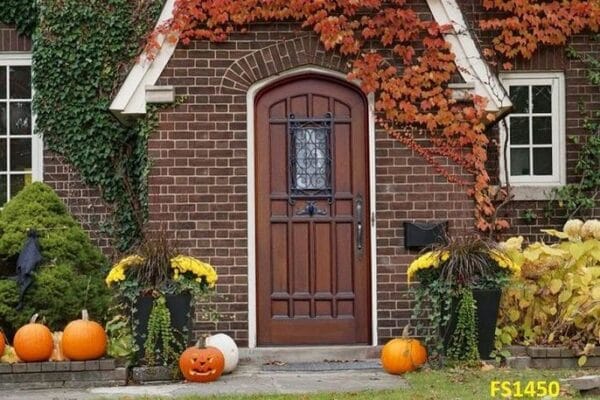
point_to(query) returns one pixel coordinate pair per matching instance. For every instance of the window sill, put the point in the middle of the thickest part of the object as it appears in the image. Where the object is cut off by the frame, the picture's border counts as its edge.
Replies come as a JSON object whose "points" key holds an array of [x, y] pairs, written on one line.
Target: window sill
{"points": [[531, 193]]}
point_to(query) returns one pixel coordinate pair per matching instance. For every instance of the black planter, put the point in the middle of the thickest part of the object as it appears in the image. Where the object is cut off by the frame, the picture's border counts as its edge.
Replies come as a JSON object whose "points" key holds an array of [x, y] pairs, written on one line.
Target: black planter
{"points": [[487, 303], [179, 306]]}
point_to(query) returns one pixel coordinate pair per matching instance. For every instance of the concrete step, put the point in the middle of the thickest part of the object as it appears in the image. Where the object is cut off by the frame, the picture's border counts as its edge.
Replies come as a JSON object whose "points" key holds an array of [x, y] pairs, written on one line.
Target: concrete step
{"points": [[323, 366], [305, 354]]}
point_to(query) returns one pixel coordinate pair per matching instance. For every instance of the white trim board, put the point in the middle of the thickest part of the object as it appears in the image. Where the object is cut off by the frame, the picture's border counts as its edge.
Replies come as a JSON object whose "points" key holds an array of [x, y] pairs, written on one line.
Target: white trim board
{"points": [[37, 141], [250, 96], [130, 100], [131, 97], [471, 65], [559, 149]]}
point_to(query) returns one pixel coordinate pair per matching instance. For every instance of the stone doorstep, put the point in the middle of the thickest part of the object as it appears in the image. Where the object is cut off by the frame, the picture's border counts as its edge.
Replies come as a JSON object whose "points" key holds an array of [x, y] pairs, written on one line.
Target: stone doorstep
{"points": [[298, 354]]}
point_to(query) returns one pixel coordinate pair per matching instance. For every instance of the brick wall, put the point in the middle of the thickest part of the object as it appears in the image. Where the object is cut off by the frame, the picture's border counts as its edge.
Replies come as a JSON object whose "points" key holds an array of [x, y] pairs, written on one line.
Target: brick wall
{"points": [[198, 182], [10, 40]]}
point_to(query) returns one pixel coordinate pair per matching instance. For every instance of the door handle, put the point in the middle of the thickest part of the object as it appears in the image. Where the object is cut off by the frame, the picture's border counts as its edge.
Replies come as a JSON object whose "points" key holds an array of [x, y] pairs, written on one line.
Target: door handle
{"points": [[358, 204]]}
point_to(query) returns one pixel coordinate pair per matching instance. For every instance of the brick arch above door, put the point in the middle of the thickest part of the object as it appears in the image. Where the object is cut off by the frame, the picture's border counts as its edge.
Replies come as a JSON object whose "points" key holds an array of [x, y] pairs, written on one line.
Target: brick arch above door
{"points": [[277, 58]]}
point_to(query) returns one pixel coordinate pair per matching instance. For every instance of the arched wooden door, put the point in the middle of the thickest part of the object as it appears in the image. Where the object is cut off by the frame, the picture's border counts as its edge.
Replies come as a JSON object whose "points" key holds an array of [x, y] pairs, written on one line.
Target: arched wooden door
{"points": [[312, 213]]}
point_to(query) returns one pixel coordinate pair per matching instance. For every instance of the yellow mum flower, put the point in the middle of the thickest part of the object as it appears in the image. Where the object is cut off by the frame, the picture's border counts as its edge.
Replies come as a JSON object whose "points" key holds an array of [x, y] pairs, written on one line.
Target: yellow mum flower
{"points": [[183, 264], [117, 272], [427, 260]]}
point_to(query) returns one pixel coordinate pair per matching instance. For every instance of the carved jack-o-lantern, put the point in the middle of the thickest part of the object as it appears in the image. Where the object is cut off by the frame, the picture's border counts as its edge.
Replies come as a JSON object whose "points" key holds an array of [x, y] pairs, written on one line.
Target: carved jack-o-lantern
{"points": [[201, 365]]}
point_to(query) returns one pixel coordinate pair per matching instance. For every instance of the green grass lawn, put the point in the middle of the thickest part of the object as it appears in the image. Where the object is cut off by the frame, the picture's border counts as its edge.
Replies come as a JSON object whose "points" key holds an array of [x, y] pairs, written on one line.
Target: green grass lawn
{"points": [[443, 385]]}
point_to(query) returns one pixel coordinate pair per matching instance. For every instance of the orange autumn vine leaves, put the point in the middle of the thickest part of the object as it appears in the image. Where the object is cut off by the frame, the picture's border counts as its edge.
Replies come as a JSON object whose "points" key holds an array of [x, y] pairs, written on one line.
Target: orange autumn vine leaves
{"points": [[524, 25], [379, 40]]}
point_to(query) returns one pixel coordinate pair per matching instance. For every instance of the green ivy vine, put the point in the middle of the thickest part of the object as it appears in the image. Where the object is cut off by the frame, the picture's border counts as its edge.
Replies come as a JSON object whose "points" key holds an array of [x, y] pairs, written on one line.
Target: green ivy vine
{"points": [[463, 343], [575, 198], [81, 52], [161, 345]]}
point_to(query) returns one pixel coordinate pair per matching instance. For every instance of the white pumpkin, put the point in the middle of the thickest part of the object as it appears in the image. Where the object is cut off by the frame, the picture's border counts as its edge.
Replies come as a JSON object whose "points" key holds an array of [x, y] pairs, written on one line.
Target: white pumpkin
{"points": [[228, 347]]}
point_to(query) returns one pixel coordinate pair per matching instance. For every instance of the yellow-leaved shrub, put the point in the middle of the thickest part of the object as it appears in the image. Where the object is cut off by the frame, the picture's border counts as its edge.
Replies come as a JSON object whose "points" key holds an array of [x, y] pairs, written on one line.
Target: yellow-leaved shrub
{"points": [[556, 299]]}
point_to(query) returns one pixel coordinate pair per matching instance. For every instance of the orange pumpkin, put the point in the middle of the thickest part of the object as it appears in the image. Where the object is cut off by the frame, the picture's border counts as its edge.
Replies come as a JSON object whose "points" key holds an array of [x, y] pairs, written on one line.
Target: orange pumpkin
{"points": [[2, 343], [33, 342], [83, 339], [201, 365], [403, 354]]}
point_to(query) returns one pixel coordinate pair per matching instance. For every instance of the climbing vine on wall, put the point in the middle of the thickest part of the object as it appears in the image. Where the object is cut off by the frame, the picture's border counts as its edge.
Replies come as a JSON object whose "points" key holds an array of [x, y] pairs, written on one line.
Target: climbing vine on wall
{"points": [[81, 51], [409, 74], [583, 195], [525, 25], [22, 14]]}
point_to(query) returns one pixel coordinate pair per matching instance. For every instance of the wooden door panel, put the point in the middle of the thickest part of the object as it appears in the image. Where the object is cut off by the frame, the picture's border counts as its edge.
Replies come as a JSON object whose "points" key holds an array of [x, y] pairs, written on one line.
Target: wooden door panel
{"points": [[312, 279]]}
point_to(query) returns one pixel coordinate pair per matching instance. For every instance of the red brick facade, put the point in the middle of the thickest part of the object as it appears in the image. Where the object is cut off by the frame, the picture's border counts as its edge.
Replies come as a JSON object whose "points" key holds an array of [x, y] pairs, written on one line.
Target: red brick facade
{"points": [[198, 185], [198, 181]]}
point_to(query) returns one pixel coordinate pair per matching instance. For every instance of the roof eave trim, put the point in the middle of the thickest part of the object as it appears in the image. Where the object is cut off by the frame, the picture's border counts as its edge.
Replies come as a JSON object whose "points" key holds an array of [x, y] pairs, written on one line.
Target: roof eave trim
{"points": [[468, 58], [130, 100]]}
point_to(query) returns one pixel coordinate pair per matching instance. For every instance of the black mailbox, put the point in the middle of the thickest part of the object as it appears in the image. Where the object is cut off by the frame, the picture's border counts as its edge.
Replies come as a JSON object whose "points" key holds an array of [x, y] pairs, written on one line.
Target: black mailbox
{"points": [[418, 235]]}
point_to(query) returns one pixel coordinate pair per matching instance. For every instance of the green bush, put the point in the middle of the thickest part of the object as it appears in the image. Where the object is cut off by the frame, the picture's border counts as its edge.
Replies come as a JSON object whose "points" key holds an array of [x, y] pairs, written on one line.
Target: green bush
{"points": [[71, 274], [62, 239], [58, 294]]}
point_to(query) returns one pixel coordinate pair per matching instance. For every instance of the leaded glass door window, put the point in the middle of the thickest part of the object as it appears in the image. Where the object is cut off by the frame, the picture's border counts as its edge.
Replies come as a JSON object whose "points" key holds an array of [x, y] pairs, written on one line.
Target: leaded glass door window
{"points": [[310, 156]]}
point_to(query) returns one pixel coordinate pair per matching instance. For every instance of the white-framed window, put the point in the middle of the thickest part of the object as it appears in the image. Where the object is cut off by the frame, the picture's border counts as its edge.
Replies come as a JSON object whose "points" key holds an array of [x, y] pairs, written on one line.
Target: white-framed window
{"points": [[21, 152], [535, 150]]}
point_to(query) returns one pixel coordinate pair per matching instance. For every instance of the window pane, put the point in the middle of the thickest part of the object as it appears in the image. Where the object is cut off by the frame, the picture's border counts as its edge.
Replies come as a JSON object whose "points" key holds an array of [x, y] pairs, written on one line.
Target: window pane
{"points": [[519, 130], [20, 154], [20, 118], [542, 161], [519, 161], [2, 118], [519, 95], [542, 130], [2, 82], [17, 182], [2, 155], [2, 190], [542, 99], [20, 82]]}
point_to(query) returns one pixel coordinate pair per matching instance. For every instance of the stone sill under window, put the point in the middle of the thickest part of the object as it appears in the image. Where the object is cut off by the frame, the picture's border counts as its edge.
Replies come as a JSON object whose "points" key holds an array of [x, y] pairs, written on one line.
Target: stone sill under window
{"points": [[531, 193]]}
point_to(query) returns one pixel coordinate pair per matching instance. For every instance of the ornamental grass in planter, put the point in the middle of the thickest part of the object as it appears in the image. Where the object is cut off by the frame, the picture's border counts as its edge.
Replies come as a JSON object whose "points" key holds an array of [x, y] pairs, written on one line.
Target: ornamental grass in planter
{"points": [[158, 285], [458, 293]]}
